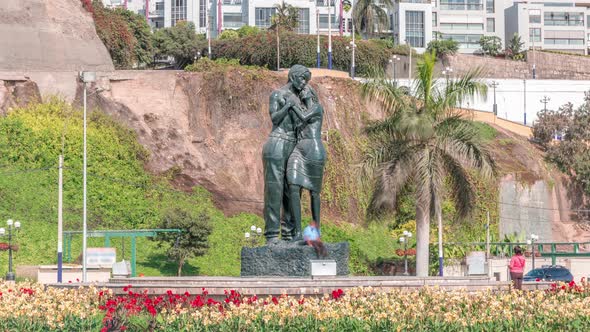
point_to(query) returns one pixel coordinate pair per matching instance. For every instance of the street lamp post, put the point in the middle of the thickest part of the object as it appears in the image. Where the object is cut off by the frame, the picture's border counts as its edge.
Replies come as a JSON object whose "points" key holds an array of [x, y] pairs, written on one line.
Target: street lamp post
{"points": [[410, 66], [256, 232], [531, 242], [404, 239], [393, 62], [87, 77], [352, 67], [447, 72], [495, 106], [12, 227], [545, 100]]}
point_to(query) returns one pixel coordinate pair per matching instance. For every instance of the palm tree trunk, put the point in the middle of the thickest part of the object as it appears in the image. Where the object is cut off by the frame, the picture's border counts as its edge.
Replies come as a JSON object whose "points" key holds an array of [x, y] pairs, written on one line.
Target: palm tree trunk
{"points": [[180, 264], [438, 212], [278, 51], [422, 236]]}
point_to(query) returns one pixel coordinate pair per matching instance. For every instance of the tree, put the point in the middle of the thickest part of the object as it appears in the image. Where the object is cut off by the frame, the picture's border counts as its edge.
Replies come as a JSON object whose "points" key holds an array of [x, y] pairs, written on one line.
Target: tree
{"points": [[424, 142], [286, 18], [514, 49], [115, 33], [490, 45], [192, 242], [180, 41], [572, 153], [443, 47], [370, 17], [143, 50]]}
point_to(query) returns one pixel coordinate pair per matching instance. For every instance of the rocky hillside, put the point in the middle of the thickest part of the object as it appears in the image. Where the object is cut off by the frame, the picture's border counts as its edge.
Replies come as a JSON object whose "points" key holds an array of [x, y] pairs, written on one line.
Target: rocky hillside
{"points": [[209, 128], [49, 35]]}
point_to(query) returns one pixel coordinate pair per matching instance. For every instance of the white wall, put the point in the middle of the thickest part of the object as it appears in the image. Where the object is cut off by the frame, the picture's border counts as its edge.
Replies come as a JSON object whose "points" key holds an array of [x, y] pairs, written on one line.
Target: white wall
{"points": [[510, 97]]}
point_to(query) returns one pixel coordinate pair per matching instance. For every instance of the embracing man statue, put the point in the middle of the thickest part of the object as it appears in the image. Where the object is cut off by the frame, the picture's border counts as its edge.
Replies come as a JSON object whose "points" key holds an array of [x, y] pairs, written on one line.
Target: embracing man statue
{"points": [[293, 157]]}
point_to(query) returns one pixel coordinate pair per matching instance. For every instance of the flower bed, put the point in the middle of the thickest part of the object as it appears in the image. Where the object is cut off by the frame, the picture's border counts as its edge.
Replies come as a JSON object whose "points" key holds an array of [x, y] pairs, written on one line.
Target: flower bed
{"points": [[30, 307]]}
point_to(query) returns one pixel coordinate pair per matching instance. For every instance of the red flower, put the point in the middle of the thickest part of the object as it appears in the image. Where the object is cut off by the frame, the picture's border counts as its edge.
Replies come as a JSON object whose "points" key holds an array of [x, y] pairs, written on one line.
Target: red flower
{"points": [[275, 300], [537, 280]]}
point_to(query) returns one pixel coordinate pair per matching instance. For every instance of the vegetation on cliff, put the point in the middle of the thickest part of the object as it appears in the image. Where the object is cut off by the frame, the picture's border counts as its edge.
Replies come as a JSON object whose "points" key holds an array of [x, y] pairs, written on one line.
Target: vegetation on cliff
{"points": [[121, 195]]}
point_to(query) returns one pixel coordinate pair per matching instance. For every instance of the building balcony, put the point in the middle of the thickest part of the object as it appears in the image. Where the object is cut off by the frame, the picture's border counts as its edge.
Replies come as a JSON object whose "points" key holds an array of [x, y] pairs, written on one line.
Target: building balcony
{"points": [[157, 13], [324, 3], [233, 25]]}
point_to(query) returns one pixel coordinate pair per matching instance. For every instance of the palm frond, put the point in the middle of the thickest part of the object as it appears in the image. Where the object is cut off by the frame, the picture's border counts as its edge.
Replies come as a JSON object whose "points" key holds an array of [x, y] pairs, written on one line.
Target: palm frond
{"points": [[391, 177], [462, 190], [383, 91], [460, 140], [457, 91]]}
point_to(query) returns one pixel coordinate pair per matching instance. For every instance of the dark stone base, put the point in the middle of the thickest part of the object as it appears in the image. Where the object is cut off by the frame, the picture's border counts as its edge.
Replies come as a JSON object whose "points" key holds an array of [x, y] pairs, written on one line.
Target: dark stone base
{"points": [[289, 259]]}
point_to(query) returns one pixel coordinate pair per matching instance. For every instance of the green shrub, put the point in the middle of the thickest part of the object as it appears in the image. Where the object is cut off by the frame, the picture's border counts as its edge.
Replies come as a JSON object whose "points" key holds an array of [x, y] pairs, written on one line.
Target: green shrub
{"points": [[229, 34], [443, 47], [490, 45], [260, 49]]}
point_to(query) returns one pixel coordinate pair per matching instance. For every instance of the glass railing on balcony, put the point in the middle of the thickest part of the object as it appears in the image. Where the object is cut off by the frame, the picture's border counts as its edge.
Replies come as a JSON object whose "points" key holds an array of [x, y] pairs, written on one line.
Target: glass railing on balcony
{"points": [[460, 6], [157, 13], [564, 22], [233, 24], [232, 2], [324, 3]]}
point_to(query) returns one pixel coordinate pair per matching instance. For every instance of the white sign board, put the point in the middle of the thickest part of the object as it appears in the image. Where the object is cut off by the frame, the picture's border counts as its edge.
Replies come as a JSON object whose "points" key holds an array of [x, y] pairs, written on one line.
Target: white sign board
{"points": [[476, 262], [323, 268], [101, 256]]}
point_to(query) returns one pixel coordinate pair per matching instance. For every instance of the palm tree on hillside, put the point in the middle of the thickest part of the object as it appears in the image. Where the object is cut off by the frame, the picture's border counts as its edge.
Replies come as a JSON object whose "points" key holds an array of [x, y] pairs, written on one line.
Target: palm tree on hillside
{"points": [[424, 141], [369, 16], [285, 18]]}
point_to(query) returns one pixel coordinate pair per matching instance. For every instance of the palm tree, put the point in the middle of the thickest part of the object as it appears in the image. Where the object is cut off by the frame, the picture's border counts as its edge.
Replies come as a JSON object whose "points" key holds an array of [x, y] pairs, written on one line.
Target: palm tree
{"points": [[369, 15], [286, 17], [424, 141]]}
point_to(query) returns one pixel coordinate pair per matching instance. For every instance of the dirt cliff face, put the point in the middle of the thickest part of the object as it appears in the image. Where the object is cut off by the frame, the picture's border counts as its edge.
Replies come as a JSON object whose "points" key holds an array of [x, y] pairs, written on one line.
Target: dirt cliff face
{"points": [[208, 129], [49, 35]]}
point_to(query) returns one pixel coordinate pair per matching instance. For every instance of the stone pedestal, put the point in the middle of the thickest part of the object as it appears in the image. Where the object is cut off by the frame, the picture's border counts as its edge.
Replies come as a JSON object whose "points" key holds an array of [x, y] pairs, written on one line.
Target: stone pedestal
{"points": [[290, 260]]}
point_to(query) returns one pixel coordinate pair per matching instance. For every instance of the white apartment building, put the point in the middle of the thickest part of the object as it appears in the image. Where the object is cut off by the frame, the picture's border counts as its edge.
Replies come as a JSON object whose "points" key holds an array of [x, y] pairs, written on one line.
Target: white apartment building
{"points": [[561, 25], [417, 22], [314, 15]]}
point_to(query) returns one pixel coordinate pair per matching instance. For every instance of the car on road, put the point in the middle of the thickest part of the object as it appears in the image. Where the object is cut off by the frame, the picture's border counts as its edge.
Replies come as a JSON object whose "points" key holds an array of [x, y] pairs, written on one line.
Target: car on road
{"points": [[549, 273]]}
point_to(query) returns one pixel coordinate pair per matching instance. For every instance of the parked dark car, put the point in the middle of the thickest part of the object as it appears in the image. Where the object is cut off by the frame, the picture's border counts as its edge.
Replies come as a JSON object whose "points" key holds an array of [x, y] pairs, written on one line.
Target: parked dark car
{"points": [[549, 273]]}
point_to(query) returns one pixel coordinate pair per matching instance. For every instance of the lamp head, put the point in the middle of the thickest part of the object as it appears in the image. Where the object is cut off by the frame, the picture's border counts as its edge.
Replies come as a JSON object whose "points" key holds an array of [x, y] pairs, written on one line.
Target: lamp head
{"points": [[259, 230], [247, 235], [528, 242], [406, 233], [402, 239], [253, 228], [2, 231], [9, 222], [17, 224]]}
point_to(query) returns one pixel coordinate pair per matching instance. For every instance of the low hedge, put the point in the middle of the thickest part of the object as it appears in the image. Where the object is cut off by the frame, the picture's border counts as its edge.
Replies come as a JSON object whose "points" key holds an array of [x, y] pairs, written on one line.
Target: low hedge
{"points": [[260, 50]]}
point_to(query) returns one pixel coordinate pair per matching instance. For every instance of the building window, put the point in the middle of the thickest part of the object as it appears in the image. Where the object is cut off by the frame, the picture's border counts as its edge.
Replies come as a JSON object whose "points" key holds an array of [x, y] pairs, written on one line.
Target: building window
{"points": [[263, 16], [324, 22], [461, 4], [178, 10], [535, 35], [415, 28], [232, 20], [564, 19], [535, 16], [490, 6], [348, 25], [588, 21], [461, 26], [202, 13], [324, 3], [563, 41], [303, 26], [490, 25], [434, 19], [465, 41]]}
